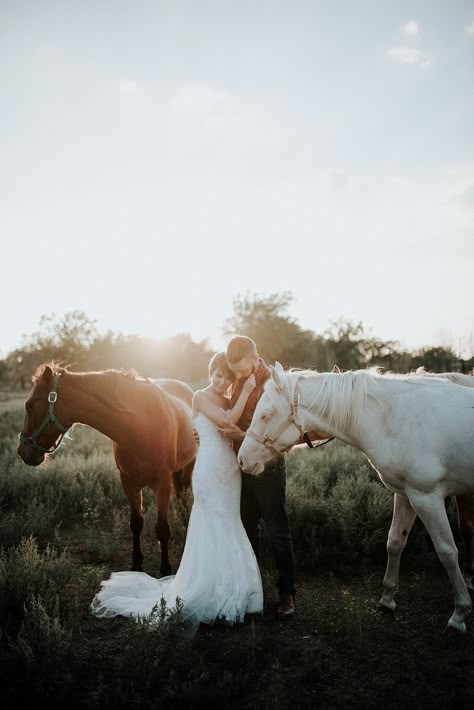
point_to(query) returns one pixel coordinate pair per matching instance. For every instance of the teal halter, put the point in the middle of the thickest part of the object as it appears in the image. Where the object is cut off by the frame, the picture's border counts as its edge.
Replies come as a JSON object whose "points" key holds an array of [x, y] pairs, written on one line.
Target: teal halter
{"points": [[49, 418]]}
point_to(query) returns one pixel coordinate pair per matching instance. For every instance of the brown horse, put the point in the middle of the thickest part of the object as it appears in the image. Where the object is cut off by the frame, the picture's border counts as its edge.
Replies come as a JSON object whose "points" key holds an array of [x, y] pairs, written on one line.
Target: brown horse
{"points": [[149, 422]]}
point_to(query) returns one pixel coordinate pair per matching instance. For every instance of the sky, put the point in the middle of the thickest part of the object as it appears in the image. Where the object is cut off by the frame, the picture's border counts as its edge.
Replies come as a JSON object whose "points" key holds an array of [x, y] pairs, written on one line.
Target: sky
{"points": [[159, 158]]}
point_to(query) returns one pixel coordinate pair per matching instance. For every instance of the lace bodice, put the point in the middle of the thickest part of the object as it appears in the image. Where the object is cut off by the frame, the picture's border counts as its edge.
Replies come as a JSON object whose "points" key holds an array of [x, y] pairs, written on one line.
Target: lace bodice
{"points": [[209, 434], [216, 476]]}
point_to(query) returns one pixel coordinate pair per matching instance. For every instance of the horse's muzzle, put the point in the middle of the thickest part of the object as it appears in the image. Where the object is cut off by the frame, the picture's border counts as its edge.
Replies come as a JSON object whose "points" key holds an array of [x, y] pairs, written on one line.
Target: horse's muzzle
{"points": [[29, 455], [254, 470]]}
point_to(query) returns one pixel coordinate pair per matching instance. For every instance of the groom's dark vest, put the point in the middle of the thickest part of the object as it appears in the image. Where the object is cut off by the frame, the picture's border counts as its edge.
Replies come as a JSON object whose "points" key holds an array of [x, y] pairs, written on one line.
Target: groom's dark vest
{"points": [[262, 374]]}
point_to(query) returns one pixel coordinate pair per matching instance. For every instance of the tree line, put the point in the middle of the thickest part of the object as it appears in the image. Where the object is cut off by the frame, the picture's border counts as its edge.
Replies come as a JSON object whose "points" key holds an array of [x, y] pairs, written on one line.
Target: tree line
{"points": [[73, 339]]}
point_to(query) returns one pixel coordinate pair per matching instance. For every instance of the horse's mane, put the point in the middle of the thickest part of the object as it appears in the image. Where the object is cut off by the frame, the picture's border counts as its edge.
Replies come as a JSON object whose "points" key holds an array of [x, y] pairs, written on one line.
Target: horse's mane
{"points": [[109, 384], [457, 378], [343, 395], [59, 369]]}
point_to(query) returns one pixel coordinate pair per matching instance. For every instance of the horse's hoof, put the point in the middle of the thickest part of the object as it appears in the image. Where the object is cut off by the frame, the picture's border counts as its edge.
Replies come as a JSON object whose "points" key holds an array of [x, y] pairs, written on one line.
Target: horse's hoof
{"points": [[389, 607], [458, 626]]}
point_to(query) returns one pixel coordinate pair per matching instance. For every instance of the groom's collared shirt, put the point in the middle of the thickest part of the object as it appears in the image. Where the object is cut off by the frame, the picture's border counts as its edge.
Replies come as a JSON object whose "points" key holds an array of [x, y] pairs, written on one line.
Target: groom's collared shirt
{"points": [[262, 374]]}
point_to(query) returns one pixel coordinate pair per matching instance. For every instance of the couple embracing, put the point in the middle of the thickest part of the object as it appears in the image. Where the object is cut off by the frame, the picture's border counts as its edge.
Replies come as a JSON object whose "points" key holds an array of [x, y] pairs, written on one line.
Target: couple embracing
{"points": [[218, 578]]}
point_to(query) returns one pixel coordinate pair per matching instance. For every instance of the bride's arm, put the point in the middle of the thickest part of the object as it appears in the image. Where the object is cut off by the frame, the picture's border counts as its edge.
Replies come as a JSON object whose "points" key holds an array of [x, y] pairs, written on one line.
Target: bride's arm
{"points": [[233, 415], [222, 418]]}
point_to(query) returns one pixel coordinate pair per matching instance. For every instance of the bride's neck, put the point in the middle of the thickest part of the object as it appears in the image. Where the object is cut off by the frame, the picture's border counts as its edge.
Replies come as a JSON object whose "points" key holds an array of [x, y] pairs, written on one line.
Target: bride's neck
{"points": [[216, 396]]}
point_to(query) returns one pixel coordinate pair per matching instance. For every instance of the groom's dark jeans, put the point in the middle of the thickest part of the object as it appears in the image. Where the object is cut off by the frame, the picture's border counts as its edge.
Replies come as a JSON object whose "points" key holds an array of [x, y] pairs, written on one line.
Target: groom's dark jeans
{"points": [[263, 497]]}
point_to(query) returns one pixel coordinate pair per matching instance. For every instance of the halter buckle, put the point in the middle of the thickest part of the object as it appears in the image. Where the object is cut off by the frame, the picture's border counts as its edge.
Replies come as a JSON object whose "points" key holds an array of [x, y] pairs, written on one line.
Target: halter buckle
{"points": [[52, 397]]}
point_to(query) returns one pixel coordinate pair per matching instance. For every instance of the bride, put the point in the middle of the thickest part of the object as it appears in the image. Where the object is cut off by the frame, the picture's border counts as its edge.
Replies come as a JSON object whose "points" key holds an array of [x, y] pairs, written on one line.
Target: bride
{"points": [[218, 577]]}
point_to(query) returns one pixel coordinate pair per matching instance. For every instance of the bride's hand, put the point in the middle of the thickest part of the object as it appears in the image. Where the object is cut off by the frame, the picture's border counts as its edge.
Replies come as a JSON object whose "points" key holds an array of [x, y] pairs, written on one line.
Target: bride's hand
{"points": [[250, 384]]}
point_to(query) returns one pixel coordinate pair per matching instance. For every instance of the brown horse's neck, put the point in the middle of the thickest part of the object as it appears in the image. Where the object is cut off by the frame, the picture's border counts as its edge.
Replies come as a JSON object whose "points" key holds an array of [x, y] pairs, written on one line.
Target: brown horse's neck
{"points": [[99, 400]]}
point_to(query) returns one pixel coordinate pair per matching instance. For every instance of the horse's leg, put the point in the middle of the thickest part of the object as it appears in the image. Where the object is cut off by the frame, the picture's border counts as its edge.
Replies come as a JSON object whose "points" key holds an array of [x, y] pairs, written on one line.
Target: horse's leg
{"points": [[182, 479], [162, 493], [178, 482], [432, 511], [187, 474], [402, 522], [465, 506], [135, 501]]}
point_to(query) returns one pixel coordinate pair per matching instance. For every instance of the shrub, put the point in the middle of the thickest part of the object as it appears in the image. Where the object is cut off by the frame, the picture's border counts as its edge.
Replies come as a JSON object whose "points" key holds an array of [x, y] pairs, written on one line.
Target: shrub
{"points": [[26, 575], [339, 510]]}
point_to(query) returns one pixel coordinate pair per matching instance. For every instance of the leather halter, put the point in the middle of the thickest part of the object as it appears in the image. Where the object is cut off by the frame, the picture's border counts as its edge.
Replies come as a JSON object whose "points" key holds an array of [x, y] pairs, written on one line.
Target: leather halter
{"points": [[32, 440], [267, 440]]}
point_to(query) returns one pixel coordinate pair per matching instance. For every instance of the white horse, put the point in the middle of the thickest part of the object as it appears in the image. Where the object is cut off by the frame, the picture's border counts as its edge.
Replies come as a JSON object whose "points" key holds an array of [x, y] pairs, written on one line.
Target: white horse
{"points": [[397, 537], [417, 432]]}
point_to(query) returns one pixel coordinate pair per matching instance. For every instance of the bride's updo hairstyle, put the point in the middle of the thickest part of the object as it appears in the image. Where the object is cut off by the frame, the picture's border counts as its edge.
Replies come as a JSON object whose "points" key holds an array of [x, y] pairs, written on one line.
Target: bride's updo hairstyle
{"points": [[219, 362]]}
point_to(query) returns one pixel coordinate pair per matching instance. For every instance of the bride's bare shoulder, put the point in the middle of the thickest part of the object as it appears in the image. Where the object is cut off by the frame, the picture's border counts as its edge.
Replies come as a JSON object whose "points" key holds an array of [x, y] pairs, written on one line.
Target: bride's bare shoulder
{"points": [[201, 396], [204, 399]]}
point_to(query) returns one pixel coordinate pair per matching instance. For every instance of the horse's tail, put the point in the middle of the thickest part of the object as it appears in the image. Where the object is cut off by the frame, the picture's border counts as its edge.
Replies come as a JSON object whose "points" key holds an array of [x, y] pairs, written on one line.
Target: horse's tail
{"points": [[182, 479]]}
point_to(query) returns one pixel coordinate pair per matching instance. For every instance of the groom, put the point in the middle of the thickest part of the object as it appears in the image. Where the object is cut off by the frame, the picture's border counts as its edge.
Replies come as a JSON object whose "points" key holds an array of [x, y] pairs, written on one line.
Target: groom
{"points": [[263, 496]]}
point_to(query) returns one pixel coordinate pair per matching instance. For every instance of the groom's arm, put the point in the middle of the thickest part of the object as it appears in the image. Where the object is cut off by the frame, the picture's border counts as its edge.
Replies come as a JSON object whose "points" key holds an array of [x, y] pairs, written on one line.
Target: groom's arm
{"points": [[232, 432]]}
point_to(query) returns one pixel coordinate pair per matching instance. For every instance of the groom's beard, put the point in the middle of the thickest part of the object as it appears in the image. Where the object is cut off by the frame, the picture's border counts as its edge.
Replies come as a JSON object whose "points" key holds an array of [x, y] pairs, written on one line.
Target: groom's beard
{"points": [[242, 380]]}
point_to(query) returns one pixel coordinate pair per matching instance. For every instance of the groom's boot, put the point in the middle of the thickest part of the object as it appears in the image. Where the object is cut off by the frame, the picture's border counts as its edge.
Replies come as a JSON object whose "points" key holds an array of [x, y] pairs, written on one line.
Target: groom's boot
{"points": [[286, 605]]}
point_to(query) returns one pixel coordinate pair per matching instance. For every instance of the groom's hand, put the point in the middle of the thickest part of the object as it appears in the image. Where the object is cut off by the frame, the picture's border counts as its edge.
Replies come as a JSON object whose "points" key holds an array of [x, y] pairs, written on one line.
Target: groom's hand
{"points": [[232, 431]]}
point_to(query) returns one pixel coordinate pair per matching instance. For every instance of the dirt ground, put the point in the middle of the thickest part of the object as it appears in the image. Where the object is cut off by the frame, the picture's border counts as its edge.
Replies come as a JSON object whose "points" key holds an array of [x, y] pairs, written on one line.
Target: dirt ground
{"points": [[339, 650]]}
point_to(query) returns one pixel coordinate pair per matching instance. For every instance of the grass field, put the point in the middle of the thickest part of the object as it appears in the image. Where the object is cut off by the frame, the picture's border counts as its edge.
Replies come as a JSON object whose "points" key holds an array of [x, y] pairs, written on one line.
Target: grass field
{"points": [[11, 400], [64, 528]]}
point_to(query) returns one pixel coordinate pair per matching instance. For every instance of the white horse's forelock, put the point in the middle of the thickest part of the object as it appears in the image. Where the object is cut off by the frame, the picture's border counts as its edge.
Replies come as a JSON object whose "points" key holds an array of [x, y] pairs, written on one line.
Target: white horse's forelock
{"points": [[274, 392]]}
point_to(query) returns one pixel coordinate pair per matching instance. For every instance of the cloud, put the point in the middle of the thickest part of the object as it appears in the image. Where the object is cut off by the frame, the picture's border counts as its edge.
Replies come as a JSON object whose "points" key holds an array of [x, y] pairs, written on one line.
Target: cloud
{"points": [[409, 55], [411, 29], [336, 183], [197, 99], [470, 29], [465, 197], [45, 53], [128, 87]]}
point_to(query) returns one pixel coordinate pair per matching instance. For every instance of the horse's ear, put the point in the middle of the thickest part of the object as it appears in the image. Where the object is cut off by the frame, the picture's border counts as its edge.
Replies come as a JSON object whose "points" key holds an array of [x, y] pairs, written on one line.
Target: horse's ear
{"points": [[278, 367], [47, 376], [336, 369], [276, 376]]}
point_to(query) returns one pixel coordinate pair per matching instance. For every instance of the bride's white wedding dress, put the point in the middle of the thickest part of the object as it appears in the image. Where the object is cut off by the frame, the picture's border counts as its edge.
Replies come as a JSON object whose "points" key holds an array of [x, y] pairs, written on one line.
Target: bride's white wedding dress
{"points": [[218, 577]]}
